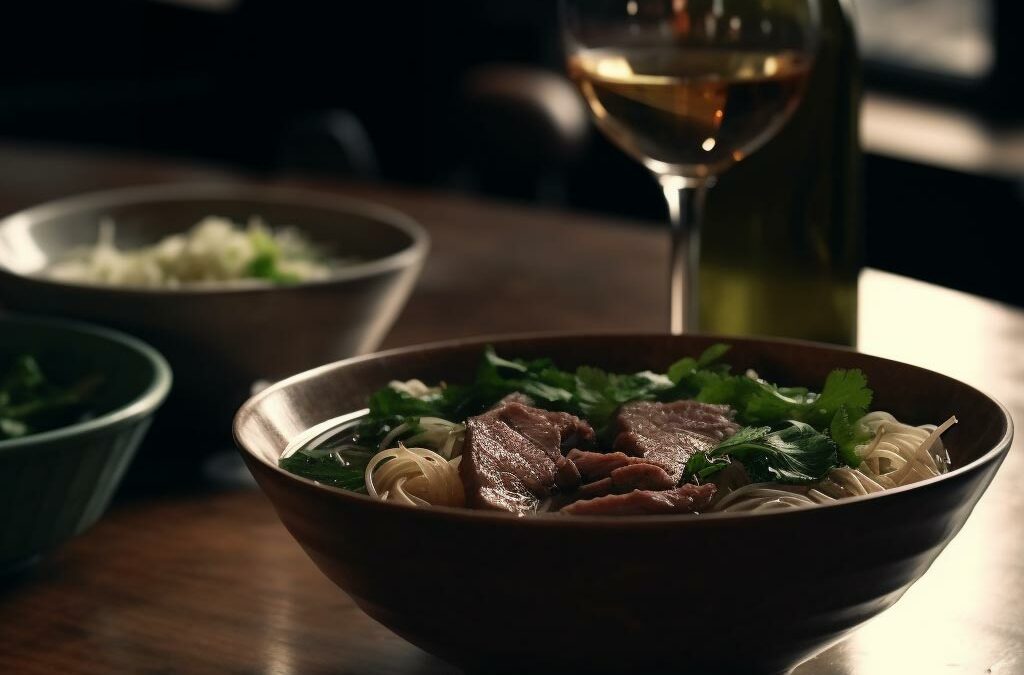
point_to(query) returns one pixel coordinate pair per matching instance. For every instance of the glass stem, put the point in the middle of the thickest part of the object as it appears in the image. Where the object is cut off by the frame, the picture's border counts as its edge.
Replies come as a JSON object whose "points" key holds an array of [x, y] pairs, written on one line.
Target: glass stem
{"points": [[685, 198]]}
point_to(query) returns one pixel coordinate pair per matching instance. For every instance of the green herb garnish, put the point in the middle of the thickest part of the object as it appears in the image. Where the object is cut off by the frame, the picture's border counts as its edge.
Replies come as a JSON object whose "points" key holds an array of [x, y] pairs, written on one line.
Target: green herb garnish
{"points": [[848, 433], [590, 393], [797, 453], [758, 402], [329, 469], [587, 392], [30, 402], [267, 262]]}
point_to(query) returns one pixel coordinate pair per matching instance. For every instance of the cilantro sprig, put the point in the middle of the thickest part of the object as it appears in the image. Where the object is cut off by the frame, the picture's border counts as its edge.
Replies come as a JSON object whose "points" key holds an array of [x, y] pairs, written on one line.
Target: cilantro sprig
{"points": [[758, 402], [796, 453]]}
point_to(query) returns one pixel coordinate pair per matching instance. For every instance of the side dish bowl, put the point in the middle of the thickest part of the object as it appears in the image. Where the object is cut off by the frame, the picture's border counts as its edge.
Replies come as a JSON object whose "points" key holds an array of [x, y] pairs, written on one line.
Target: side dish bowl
{"points": [[220, 339], [56, 483], [728, 592]]}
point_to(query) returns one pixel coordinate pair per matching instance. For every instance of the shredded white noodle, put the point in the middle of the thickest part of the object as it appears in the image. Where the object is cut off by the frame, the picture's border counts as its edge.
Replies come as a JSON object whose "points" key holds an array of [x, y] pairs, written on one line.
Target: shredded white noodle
{"points": [[440, 435], [414, 476], [426, 473], [897, 454]]}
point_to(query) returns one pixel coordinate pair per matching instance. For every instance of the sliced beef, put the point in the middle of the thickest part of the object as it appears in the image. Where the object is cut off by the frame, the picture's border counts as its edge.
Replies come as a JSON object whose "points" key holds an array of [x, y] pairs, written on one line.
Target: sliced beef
{"points": [[597, 465], [597, 488], [684, 499], [637, 476], [668, 434], [567, 476], [573, 430], [512, 456], [641, 477], [552, 431]]}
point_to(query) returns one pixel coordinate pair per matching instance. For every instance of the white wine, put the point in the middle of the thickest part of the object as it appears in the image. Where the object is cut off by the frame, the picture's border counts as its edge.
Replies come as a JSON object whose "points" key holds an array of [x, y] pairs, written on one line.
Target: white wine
{"points": [[689, 111]]}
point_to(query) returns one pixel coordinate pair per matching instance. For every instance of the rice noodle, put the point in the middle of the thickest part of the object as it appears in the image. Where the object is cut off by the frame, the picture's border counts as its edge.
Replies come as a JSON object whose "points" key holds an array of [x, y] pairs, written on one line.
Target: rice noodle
{"points": [[414, 476], [760, 496], [897, 454], [437, 434]]}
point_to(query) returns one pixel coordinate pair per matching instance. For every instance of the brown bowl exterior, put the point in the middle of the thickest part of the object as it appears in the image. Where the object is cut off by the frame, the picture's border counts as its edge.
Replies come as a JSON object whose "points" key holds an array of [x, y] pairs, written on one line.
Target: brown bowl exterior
{"points": [[717, 592], [219, 341]]}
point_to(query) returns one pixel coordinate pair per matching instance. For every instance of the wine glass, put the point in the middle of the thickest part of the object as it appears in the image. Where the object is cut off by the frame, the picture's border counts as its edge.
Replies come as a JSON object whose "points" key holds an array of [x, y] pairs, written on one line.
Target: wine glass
{"points": [[689, 88]]}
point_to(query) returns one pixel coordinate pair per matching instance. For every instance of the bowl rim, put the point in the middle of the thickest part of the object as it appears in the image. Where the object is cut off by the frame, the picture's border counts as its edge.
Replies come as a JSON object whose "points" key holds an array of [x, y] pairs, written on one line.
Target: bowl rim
{"points": [[252, 191], [995, 454], [144, 403]]}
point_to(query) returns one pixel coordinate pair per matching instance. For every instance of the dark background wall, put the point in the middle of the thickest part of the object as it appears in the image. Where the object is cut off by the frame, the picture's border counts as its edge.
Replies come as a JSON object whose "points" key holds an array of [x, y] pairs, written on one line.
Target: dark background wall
{"points": [[391, 91]]}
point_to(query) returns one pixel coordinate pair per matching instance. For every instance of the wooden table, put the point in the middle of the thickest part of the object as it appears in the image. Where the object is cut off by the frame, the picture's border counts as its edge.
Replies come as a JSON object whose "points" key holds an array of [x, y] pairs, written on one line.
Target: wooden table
{"points": [[209, 581]]}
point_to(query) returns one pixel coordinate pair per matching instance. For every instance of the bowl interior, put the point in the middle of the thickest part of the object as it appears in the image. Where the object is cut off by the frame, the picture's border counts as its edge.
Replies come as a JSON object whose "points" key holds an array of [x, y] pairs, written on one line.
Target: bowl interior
{"points": [[68, 352], [638, 583], [266, 424], [31, 240]]}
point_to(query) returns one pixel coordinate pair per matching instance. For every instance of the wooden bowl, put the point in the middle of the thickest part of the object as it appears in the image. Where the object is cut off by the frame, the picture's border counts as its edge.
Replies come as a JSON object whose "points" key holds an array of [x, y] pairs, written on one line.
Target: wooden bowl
{"points": [[745, 592]]}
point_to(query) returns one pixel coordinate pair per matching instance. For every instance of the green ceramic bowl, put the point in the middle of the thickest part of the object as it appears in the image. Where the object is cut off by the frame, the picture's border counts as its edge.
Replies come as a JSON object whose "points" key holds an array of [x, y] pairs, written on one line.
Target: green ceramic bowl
{"points": [[55, 484]]}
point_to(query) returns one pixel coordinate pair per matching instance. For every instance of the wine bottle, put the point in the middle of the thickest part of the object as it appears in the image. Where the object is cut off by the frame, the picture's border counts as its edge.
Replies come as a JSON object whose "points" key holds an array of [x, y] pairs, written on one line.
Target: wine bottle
{"points": [[782, 242]]}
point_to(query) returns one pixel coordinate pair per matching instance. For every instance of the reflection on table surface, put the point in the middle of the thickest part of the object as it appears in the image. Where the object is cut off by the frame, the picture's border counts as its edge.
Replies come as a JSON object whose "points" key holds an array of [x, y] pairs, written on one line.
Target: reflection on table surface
{"points": [[964, 615]]}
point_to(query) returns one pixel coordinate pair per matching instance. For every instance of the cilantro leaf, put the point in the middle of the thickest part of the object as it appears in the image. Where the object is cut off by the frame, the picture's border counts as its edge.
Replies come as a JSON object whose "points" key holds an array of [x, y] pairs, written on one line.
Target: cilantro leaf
{"points": [[327, 469], [702, 467], [796, 453], [843, 389], [389, 402], [689, 367], [539, 379], [847, 432], [711, 355], [389, 408], [598, 394], [758, 402]]}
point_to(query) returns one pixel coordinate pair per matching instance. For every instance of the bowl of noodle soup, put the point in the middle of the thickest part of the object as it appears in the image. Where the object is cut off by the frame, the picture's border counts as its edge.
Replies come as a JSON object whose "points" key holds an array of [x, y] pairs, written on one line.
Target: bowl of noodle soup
{"points": [[734, 590]]}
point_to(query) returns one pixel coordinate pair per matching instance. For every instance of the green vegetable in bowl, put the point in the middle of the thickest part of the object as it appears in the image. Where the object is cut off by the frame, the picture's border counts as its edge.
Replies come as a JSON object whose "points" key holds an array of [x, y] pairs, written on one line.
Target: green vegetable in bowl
{"points": [[588, 392], [793, 436], [758, 402], [794, 454], [30, 402], [330, 469]]}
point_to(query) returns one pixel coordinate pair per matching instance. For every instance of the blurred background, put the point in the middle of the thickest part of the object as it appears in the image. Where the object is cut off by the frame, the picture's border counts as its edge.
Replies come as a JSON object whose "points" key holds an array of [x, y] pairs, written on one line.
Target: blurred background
{"points": [[470, 95]]}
